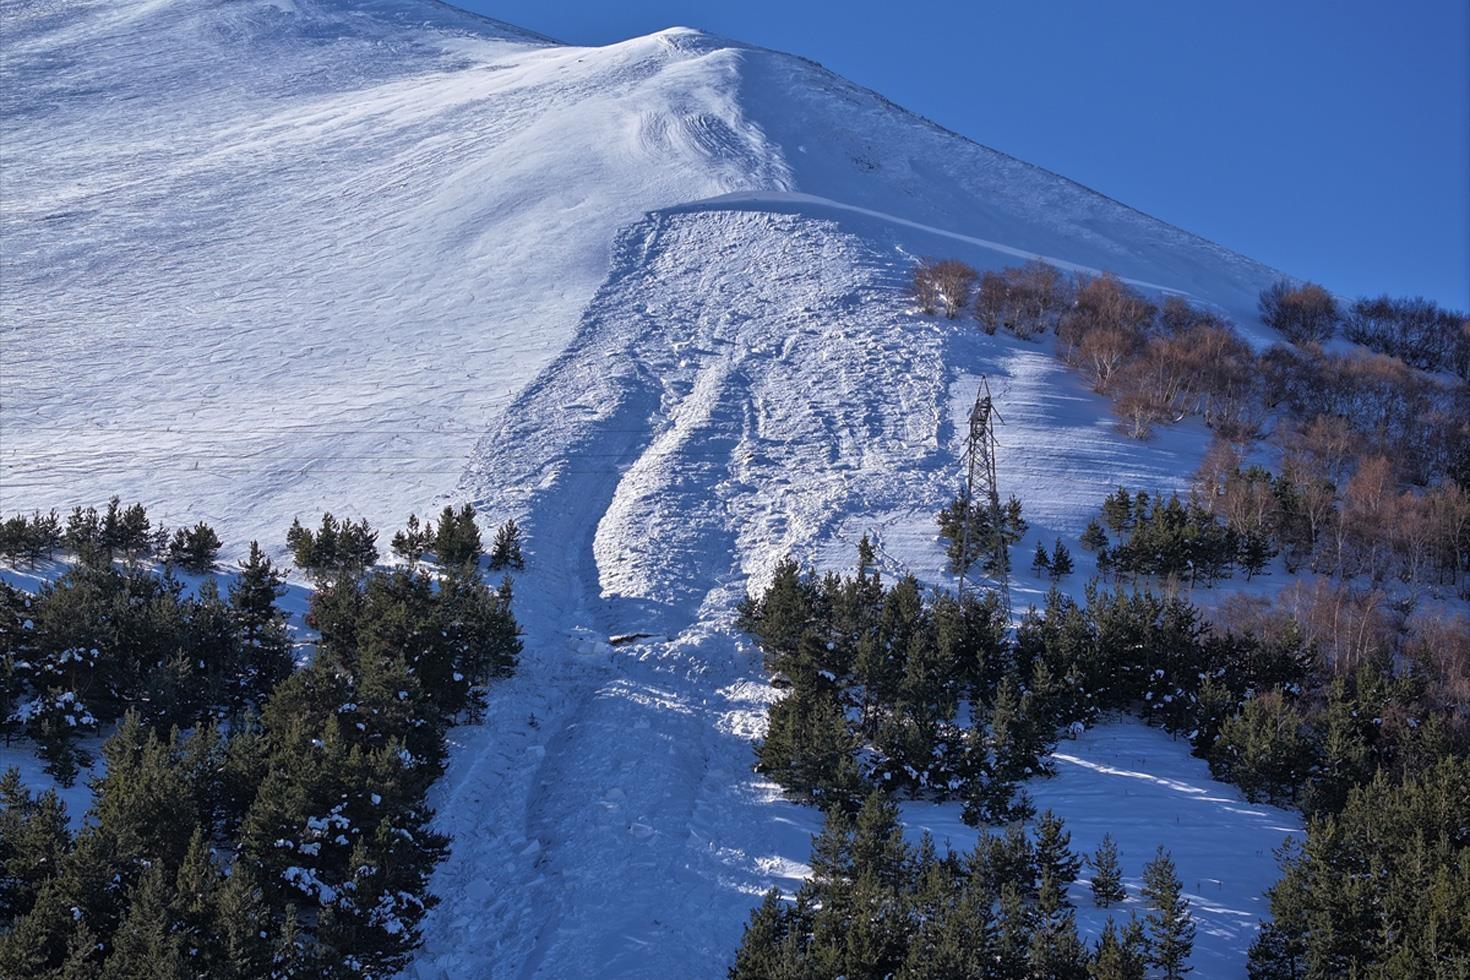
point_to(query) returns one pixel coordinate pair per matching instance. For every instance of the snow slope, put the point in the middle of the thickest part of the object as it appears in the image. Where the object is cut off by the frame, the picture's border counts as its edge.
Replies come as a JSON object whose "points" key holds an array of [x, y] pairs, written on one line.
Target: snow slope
{"points": [[265, 257], [261, 259]]}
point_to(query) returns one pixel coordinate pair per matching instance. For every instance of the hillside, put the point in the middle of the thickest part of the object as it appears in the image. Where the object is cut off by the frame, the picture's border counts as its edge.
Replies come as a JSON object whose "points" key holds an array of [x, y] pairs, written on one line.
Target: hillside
{"points": [[260, 249], [265, 259]]}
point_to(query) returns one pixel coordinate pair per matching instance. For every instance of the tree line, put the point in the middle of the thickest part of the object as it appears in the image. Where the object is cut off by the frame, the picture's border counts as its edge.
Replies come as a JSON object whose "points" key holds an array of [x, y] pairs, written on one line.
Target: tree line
{"points": [[876, 676], [117, 532], [251, 820], [876, 907]]}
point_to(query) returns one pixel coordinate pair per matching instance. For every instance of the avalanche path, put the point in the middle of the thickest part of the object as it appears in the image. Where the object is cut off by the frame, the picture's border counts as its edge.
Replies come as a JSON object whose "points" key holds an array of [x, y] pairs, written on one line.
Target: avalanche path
{"points": [[746, 384]]}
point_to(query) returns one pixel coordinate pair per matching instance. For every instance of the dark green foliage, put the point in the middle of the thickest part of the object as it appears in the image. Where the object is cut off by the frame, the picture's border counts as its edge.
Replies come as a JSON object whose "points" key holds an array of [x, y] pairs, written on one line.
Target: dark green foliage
{"points": [[194, 549], [336, 550], [1040, 559], [808, 748], [1094, 538], [34, 840], [1120, 955], [882, 667], [876, 907], [1056, 865], [411, 542], [1170, 926], [506, 551], [1380, 889], [299, 845], [867, 556], [30, 539], [265, 646], [1166, 539], [964, 552], [902, 661], [1265, 749], [456, 540], [1061, 561], [1344, 737], [1107, 874]]}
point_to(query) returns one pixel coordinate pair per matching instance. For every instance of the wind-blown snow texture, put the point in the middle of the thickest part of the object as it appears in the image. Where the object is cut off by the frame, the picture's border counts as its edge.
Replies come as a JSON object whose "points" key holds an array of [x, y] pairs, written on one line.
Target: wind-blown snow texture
{"points": [[264, 259]]}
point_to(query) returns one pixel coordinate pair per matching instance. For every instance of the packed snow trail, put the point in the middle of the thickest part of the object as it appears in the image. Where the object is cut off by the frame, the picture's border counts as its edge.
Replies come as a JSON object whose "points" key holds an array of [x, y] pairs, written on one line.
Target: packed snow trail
{"points": [[744, 385]]}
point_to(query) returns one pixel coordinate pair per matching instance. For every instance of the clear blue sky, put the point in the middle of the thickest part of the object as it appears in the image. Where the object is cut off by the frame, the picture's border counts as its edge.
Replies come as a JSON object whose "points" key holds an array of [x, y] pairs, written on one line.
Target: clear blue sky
{"points": [[1329, 138]]}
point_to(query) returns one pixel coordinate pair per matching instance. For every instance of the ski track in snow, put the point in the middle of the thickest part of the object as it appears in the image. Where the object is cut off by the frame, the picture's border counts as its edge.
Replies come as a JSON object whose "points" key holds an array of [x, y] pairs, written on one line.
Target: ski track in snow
{"points": [[268, 258]]}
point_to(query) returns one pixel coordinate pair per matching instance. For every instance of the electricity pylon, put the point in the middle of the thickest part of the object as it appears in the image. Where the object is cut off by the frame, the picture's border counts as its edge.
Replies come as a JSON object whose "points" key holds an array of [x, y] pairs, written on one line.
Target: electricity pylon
{"points": [[981, 490]]}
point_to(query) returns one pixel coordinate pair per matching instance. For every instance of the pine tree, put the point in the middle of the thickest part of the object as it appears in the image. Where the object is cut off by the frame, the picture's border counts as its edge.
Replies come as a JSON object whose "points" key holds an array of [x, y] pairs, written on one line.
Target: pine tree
{"points": [[867, 556], [42, 536], [1120, 956], [1056, 865], [760, 954], [1056, 951], [14, 536], [809, 749], [878, 847], [111, 528], [293, 954], [457, 540], [411, 542], [1118, 512], [1346, 757], [192, 907], [1170, 926], [1061, 561], [133, 532], [194, 549], [1013, 938], [1040, 560], [1264, 749], [83, 535], [963, 942], [145, 944], [34, 840], [506, 552], [242, 926], [265, 646], [1107, 874], [335, 551], [144, 806], [82, 956]]}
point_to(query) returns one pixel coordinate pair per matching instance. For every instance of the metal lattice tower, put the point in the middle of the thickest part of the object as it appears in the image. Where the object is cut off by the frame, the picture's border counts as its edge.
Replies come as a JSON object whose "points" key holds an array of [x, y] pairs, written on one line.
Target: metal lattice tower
{"points": [[981, 490]]}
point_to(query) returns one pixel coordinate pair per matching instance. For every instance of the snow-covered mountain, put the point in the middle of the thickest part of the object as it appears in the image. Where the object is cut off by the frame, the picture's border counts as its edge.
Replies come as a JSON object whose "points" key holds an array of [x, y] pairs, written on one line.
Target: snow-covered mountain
{"points": [[257, 249], [261, 259]]}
